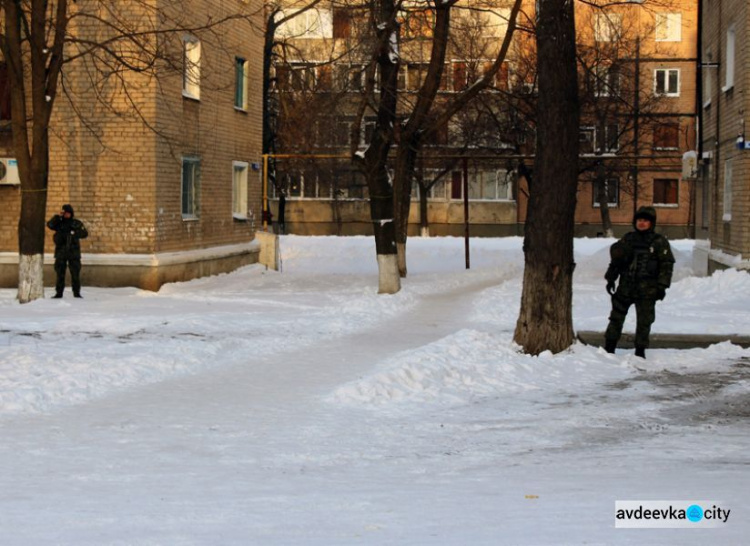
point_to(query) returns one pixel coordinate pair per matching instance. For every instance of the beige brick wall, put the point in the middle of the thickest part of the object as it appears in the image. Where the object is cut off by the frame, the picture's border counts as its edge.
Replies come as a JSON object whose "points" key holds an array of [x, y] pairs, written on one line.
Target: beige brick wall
{"points": [[724, 121], [123, 178]]}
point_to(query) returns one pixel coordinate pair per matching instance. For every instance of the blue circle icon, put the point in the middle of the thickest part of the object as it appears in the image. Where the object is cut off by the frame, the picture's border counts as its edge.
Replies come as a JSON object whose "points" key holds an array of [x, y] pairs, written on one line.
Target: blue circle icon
{"points": [[694, 513]]}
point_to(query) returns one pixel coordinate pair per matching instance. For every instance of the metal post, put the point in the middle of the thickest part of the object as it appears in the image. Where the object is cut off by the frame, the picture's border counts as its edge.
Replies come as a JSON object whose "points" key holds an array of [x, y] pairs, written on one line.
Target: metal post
{"points": [[466, 211]]}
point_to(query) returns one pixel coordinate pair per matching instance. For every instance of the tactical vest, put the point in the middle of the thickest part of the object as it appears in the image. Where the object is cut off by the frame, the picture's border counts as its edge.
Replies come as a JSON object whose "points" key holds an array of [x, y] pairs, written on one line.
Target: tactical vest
{"points": [[645, 264]]}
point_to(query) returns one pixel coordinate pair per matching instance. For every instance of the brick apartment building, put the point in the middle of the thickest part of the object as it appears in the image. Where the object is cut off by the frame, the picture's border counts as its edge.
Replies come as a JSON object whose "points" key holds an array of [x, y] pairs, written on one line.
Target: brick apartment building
{"points": [[725, 144], [166, 179], [640, 56]]}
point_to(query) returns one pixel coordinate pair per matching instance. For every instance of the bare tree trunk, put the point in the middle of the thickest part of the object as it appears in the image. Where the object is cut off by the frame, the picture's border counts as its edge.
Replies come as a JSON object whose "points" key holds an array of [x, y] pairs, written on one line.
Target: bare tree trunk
{"points": [[603, 197], [545, 321], [424, 222], [374, 161]]}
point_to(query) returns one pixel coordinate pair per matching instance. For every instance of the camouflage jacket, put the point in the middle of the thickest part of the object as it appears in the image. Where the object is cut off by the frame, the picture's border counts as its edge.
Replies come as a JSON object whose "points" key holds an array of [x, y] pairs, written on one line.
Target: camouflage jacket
{"points": [[645, 267]]}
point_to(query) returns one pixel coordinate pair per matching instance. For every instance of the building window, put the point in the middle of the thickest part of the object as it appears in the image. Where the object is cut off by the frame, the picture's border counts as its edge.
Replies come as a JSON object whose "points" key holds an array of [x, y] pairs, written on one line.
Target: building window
{"points": [[727, 216], [667, 82], [611, 190], [191, 67], [608, 138], [586, 140], [239, 190], [668, 27], [665, 191], [730, 60], [457, 185], [240, 83], [708, 84], [607, 81], [311, 23], [191, 186], [607, 27], [667, 136]]}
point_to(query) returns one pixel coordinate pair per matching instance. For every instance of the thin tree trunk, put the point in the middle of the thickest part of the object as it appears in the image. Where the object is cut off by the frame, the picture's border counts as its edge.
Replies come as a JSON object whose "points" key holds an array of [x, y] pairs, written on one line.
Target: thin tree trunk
{"points": [[603, 197], [545, 321], [424, 222]]}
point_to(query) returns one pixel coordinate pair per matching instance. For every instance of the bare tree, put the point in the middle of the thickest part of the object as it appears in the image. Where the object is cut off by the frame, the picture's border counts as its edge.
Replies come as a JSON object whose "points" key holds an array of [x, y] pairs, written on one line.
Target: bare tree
{"points": [[424, 119], [545, 320]]}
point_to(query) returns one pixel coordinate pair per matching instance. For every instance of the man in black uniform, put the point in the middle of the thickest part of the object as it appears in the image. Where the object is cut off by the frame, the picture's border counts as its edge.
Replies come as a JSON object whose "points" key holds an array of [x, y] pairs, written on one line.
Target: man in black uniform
{"points": [[68, 233], [643, 261]]}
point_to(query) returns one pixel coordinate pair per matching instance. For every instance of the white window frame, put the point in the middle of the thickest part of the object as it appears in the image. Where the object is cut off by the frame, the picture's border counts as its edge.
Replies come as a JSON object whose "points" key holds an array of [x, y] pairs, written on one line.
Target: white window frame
{"points": [[729, 62], [727, 205], [240, 189], [192, 210], [243, 85], [668, 27], [610, 204], [666, 72], [607, 27], [191, 67]]}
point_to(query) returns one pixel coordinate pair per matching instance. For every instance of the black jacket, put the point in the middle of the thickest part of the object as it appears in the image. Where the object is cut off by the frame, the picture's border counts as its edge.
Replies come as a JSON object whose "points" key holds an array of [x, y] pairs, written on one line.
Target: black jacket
{"points": [[68, 233]]}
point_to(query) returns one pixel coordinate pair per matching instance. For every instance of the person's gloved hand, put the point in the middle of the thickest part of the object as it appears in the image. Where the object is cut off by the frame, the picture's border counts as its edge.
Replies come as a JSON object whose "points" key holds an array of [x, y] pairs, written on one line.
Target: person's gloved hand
{"points": [[661, 292], [611, 288]]}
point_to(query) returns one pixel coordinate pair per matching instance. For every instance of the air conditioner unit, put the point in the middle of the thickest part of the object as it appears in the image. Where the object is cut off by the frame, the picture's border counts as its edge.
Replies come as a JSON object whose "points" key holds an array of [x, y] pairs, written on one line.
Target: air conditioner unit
{"points": [[9, 172]]}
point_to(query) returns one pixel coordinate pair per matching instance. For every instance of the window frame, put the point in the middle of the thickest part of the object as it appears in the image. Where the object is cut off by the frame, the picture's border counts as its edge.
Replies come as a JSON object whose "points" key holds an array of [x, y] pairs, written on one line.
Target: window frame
{"points": [[610, 204], [730, 59], [243, 167], [671, 24], [193, 189], [676, 203], [191, 67], [727, 197], [666, 72], [241, 84], [607, 27]]}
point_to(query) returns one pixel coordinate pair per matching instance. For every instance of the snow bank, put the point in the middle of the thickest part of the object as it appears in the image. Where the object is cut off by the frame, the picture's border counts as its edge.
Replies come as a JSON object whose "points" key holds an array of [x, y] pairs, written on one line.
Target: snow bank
{"points": [[470, 365]]}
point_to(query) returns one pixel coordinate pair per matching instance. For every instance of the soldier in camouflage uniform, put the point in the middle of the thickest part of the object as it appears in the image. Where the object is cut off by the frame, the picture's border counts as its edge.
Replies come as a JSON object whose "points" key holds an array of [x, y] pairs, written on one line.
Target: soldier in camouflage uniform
{"points": [[68, 232], [643, 262]]}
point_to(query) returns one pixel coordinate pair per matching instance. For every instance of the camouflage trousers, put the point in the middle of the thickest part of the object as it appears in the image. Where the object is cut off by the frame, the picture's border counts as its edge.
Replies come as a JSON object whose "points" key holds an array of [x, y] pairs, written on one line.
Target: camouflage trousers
{"points": [[74, 264], [645, 313]]}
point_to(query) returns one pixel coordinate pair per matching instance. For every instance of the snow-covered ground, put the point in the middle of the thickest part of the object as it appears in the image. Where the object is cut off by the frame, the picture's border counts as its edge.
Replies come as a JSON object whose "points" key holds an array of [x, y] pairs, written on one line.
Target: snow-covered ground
{"points": [[303, 408]]}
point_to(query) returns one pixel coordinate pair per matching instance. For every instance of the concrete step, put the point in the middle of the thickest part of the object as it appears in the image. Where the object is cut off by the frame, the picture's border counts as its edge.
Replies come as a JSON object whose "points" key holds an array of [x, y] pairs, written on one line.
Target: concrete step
{"points": [[666, 341]]}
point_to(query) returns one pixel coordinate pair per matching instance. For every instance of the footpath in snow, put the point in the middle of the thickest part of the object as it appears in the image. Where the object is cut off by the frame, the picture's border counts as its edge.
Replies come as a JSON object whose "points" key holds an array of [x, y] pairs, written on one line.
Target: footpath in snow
{"points": [[303, 408]]}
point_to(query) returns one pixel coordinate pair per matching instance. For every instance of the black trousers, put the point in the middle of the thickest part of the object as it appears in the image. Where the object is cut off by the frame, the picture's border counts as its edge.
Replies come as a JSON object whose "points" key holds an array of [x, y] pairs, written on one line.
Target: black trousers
{"points": [[74, 264]]}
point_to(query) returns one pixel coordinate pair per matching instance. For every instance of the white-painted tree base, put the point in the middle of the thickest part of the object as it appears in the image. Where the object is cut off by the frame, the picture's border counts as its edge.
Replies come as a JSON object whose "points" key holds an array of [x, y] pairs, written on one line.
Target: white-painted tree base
{"points": [[30, 277], [389, 281], [424, 232]]}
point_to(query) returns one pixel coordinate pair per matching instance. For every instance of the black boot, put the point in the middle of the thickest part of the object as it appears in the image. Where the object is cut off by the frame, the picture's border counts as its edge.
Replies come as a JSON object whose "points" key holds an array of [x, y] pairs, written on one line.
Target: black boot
{"points": [[77, 295], [57, 295], [640, 351], [610, 345]]}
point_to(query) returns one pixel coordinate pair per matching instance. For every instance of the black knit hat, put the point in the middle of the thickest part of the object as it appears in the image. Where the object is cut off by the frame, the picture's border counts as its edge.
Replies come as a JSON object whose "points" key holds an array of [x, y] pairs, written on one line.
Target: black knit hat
{"points": [[67, 208]]}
